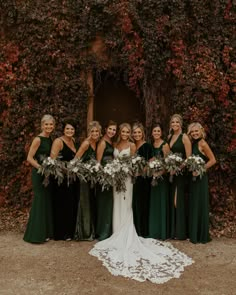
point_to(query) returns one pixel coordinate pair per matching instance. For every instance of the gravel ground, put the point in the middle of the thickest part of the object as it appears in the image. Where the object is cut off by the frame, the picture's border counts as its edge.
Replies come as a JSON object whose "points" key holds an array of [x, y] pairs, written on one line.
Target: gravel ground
{"points": [[66, 268]]}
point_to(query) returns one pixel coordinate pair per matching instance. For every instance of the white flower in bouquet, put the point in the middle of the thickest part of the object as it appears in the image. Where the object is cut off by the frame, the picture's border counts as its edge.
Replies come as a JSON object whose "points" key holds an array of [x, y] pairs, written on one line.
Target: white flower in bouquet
{"points": [[75, 170], [115, 173], [195, 163], [52, 168], [174, 164], [154, 169]]}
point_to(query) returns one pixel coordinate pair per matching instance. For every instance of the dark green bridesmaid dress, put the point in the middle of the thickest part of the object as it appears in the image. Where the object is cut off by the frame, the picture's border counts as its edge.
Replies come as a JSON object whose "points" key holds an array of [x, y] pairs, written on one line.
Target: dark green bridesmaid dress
{"points": [[178, 217], [159, 204], [199, 205], [40, 223], [85, 230], [141, 196], [65, 201], [104, 202]]}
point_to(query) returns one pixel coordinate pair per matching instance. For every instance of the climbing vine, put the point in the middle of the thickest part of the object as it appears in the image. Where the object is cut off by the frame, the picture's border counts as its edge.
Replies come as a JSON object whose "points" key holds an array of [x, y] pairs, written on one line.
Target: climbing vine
{"points": [[177, 56]]}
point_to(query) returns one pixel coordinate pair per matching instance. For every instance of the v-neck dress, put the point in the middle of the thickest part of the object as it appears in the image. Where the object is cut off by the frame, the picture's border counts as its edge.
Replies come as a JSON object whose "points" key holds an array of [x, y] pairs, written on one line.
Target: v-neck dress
{"points": [[65, 201], [178, 214]]}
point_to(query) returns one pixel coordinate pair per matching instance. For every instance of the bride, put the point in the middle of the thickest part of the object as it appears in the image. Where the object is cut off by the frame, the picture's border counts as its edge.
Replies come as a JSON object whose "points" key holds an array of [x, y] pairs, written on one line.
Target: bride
{"points": [[127, 254]]}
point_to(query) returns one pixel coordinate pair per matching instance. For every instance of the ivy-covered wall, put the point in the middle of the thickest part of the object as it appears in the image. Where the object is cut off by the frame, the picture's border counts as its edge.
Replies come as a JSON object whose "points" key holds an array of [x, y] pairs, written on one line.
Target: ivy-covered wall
{"points": [[178, 56]]}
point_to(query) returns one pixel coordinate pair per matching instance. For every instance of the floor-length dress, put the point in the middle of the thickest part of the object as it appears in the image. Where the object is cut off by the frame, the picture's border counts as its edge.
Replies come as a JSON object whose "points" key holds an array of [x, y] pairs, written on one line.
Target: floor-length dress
{"points": [[127, 254], [141, 195], [159, 204], [40, 223], [178, 211], [65, 202], [199, 204], [85, 230], [104, 202]]}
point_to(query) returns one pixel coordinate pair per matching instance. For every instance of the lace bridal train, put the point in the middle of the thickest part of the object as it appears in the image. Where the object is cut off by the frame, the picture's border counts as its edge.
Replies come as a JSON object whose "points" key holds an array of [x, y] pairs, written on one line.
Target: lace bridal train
{"points": [[128, 255]]}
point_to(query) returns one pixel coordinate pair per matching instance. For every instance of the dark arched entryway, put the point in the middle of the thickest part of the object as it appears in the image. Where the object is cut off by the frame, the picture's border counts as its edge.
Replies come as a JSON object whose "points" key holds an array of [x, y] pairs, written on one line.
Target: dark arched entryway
{"points": [[113, 100]]}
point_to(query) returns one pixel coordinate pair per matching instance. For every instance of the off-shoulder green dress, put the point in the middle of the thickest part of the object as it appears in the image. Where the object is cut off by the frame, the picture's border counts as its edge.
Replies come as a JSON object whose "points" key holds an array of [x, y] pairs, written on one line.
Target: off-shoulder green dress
{"points": [[40, 223], [159, 204], [104, 202], [141, 195], [199, 205]]}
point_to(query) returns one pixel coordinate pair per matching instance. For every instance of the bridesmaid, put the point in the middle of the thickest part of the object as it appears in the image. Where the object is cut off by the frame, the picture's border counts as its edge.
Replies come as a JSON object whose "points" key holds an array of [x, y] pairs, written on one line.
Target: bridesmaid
{"points": [[105, 198], [179, 143], [65, 198], [199, 195], [85, 229], [40, 224], [142, 186], [159, 199]]}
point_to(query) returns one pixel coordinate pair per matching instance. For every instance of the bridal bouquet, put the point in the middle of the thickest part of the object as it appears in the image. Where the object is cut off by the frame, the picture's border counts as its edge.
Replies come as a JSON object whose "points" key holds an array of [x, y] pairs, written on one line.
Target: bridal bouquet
{"points": [[174, 164], [52, 167], [195, 164], [115, 174], [155, 169]]}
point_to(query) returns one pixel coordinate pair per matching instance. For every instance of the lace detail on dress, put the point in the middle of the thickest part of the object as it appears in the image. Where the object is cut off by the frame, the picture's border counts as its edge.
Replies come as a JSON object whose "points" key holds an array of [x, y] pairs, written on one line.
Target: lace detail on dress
{"points": [[128, 255], [150, 260]]}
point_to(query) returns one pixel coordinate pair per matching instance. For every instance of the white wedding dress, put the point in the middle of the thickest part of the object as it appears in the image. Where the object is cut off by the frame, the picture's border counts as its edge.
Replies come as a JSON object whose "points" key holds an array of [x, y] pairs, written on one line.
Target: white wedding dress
{"points": [[128, 255]]}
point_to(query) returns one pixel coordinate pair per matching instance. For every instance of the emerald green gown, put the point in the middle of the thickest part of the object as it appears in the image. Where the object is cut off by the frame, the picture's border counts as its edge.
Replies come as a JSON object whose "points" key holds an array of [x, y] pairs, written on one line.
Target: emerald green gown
{"points": [[104, 202], [85, 230], [178, 217], [40, 223], [159, 204], [199, 205], [141, 196]]}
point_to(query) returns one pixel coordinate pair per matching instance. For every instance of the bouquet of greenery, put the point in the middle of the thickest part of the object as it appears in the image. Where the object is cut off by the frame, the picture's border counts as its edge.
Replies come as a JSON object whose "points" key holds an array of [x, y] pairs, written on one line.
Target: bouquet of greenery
{"points": [[90, 171], [54, 168], [155, 169], [195, 164], [174, 164], [75, 169], [137, 165], [115, 174], [94, 172]]}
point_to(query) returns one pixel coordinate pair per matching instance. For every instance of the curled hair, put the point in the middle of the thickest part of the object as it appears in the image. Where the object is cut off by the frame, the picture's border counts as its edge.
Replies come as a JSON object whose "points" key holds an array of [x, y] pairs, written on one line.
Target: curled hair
{"points": [[196, 124], [68, 121], [179, 118], [123, 125], [140, 126], [94, 124], [46, 118]]}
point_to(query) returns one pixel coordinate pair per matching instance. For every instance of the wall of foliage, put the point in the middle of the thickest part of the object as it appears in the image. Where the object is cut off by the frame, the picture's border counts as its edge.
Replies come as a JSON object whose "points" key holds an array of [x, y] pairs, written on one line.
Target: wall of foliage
{"points": [[178, 56]]}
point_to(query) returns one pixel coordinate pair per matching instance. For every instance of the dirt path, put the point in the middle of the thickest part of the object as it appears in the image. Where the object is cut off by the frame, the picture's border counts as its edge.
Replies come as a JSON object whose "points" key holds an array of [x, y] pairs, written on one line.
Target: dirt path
{"points": [[66, 268]]}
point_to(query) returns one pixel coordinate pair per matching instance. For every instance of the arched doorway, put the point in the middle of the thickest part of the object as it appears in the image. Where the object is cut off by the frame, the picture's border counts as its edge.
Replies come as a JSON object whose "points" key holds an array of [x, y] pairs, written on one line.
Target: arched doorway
{"points": [[113, 100]]}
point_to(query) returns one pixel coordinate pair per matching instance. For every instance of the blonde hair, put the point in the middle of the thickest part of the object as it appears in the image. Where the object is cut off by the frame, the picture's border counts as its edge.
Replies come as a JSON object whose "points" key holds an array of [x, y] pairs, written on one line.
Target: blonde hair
{"points": [[46, 118], [197, 124], [179, 117], [121, 126], [94, 124], [140, 126]]}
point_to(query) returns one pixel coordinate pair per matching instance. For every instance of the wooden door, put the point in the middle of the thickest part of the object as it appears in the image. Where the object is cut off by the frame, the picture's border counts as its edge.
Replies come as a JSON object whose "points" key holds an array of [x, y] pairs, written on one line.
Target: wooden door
{"points": [[113, 100]]}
